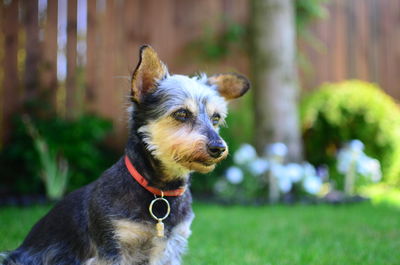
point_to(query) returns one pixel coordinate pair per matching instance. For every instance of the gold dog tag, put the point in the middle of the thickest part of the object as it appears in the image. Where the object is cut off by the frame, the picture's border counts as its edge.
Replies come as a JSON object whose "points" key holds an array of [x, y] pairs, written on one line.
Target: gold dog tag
{"points": [[160, 228]]}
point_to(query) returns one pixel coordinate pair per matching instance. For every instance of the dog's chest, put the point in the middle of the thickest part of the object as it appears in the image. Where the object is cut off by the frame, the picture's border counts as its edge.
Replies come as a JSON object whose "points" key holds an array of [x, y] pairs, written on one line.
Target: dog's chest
{"points": [[139, 242]]}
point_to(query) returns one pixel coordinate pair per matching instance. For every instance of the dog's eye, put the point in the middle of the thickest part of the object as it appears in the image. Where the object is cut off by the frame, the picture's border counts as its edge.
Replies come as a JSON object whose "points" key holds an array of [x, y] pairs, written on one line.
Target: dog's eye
{"points": [[182, 114], [215, 119]]}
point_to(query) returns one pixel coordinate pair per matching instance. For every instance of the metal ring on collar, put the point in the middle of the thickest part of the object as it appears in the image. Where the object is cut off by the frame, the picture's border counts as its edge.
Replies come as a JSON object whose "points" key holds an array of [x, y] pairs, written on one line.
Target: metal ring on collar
{"points": [[151, 208]]}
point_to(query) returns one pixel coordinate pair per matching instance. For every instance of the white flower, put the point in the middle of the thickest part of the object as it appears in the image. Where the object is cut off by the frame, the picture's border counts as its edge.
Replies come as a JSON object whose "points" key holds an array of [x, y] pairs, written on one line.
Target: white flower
{"points": [[353, 155], [309, 170], [376, 172], [285, 184], [312, 184], [258, 166], [349, 154], [294, 172], [245, 154], [356, 146], [278, 171], [234, 175], [276, 151], [344, 159], [370, 167]]}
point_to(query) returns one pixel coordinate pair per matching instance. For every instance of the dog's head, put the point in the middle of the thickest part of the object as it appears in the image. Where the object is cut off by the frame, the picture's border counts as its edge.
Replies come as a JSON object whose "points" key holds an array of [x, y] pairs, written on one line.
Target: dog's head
{"points": [[178, 117]]}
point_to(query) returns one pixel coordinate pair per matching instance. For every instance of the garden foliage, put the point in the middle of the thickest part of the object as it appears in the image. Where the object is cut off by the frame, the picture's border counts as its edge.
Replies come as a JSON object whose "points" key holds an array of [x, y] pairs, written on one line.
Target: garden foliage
{"points": [[53, 166], [77, 141], [339, 112]]}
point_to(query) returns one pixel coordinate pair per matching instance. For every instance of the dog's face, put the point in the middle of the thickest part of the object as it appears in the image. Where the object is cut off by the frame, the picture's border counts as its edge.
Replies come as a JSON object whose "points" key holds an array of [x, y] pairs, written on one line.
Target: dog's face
{"points": [[180, 116]]}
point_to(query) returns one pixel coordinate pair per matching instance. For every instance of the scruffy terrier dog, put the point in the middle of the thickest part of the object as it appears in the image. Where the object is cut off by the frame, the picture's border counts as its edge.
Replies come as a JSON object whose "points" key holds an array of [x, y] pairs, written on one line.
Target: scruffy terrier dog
{"points": [[139, 211]]}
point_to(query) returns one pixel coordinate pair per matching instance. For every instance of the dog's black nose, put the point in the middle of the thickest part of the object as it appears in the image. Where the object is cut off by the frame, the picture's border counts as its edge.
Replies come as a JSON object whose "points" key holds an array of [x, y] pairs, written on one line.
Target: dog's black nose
{"points": [[216, 148]]}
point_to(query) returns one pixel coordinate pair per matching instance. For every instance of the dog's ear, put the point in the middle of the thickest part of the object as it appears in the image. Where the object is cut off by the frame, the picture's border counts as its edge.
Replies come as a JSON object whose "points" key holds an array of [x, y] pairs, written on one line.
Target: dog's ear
{"points": [[148, 72], [231, 85]]}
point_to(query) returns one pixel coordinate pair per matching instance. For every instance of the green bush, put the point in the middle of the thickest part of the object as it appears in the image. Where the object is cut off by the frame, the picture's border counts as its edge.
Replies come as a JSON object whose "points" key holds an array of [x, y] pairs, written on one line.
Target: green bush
{"points": [[79, 141], [339, 112]]}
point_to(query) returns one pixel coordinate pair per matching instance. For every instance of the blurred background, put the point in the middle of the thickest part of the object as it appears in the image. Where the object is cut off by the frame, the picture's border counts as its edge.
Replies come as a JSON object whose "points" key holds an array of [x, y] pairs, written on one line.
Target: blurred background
{"points": [[321, 124]]}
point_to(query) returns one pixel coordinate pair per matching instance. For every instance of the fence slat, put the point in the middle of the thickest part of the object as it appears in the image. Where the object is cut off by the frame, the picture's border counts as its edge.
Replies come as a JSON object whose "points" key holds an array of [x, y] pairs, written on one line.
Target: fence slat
{"points": [[132, 38], [374, 40], [91, 83], [2, 65], [389, 50], [32, 48], [71, 86], [340, 41], [105, 62], [11, 95], [49, 62], [361, 40]]}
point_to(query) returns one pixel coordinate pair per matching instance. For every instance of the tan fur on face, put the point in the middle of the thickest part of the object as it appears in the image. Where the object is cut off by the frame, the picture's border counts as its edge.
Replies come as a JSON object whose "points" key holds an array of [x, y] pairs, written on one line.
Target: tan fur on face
{"points": [[179, 147], [191, 105], [214, 106]]}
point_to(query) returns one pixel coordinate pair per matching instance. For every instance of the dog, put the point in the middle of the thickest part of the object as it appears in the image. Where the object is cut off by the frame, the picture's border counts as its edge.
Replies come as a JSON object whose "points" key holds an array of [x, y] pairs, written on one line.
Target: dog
{"points": [[139, 211]]}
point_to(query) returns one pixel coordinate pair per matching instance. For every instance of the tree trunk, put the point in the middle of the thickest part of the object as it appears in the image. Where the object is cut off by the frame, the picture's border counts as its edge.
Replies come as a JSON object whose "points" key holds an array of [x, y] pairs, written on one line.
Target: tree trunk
{"points": [[275, 79]]}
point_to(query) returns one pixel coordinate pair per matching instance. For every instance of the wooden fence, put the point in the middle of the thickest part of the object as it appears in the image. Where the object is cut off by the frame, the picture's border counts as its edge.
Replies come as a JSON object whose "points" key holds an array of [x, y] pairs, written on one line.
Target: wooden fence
{"points": [[359, 39], [46, 48], [80, 53]]}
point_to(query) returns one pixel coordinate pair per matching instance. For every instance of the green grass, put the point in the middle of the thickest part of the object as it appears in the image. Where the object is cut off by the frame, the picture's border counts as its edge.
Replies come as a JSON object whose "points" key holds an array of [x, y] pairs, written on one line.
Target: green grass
{"points": [[321, 235], [15, 223]]}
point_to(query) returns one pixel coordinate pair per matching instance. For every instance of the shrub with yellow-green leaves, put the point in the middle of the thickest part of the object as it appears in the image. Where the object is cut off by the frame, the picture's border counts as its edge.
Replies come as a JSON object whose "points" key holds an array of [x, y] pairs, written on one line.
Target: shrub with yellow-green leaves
{"points": [[339, 112]]}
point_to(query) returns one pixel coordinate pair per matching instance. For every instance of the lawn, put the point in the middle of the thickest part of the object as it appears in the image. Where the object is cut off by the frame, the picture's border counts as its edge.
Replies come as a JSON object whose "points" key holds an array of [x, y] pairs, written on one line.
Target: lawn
{"points": [[302, 234]]}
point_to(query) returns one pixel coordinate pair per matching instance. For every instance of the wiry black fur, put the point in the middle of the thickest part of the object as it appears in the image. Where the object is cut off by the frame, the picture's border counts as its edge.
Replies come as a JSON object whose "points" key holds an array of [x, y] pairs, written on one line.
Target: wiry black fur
{"points": [[80, 224]]}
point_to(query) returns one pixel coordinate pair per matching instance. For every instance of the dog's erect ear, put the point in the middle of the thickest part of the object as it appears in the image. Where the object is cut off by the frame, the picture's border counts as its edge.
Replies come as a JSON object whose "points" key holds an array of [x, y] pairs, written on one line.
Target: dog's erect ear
{"points": [[148, 72], [230, 86]]}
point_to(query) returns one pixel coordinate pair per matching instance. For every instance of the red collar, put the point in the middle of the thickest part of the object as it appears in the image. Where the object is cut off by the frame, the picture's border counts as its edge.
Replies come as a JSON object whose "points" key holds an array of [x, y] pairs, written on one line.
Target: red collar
{"points": [[145, 184]]}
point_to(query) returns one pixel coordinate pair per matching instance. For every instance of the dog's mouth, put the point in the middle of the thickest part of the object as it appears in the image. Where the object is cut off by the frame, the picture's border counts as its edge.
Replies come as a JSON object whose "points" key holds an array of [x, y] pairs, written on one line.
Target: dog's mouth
{"points": [[200, 161], [201, 165], [205, 163]]}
